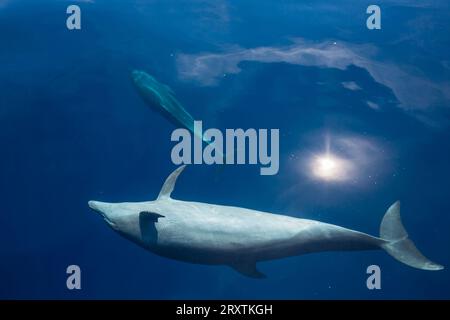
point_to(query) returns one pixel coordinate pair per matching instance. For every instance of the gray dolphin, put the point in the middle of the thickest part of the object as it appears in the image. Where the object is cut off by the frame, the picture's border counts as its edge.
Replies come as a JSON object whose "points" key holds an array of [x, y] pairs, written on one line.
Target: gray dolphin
{"points": [[205, 233], [161, 98]]}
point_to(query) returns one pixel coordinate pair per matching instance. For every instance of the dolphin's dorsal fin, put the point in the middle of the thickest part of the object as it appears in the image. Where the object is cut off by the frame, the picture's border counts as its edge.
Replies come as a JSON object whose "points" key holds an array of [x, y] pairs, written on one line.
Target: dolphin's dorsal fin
{"points": [[248, 268], [169, 184]]}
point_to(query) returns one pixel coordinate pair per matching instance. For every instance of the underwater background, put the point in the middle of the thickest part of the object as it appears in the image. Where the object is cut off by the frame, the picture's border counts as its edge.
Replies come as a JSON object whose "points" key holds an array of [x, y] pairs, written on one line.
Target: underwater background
{"points": [[73, 129]]}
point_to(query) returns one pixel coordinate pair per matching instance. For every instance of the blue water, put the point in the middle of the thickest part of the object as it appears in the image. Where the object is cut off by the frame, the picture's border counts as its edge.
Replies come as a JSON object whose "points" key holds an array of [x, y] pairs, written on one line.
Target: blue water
{"points": [[73, 128]]}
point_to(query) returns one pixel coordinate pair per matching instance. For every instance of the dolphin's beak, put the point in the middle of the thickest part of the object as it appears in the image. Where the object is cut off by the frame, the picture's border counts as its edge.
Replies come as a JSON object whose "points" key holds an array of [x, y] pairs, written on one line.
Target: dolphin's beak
{"points": [[95, 205], [135, 75], [102, 207]]}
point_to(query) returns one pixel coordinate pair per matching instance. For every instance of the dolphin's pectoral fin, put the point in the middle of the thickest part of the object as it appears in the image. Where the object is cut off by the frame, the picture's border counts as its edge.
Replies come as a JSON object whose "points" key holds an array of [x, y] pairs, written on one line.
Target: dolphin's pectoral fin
{"points": [[169, 184], [248, 269], [151, 216], [147, 221]]}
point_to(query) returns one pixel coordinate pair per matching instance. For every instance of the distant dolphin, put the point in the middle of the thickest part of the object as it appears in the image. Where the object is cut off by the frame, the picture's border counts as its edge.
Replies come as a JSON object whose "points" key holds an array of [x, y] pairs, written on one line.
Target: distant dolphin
{"points": [[162, 99], [221, 235]]}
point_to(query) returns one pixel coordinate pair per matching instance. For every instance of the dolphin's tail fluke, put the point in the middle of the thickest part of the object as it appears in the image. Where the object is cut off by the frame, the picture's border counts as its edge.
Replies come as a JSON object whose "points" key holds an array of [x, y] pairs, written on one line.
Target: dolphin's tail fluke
{"points": [[399, 245]]}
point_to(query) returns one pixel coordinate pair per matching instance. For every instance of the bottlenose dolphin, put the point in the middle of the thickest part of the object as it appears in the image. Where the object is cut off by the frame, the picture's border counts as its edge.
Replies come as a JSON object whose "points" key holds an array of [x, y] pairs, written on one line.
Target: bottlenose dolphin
{"points": [[161, 98], [205, 233]]}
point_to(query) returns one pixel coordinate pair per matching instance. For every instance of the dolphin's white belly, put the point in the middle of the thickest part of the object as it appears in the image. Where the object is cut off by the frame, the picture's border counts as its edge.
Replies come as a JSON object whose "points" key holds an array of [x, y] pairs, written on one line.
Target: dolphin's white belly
{"points": [[205, 233], [224, 228]]}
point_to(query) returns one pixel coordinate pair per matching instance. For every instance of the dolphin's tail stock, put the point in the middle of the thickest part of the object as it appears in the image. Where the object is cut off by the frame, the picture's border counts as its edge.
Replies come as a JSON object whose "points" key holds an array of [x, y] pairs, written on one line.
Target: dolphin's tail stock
{"points": [[399, 245]]}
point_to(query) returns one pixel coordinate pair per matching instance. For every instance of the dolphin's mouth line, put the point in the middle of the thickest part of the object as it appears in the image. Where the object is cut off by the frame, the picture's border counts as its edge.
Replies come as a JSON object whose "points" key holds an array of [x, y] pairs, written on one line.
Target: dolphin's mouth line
{"points": [[112, 224], [98, 211], [108, 221]]}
